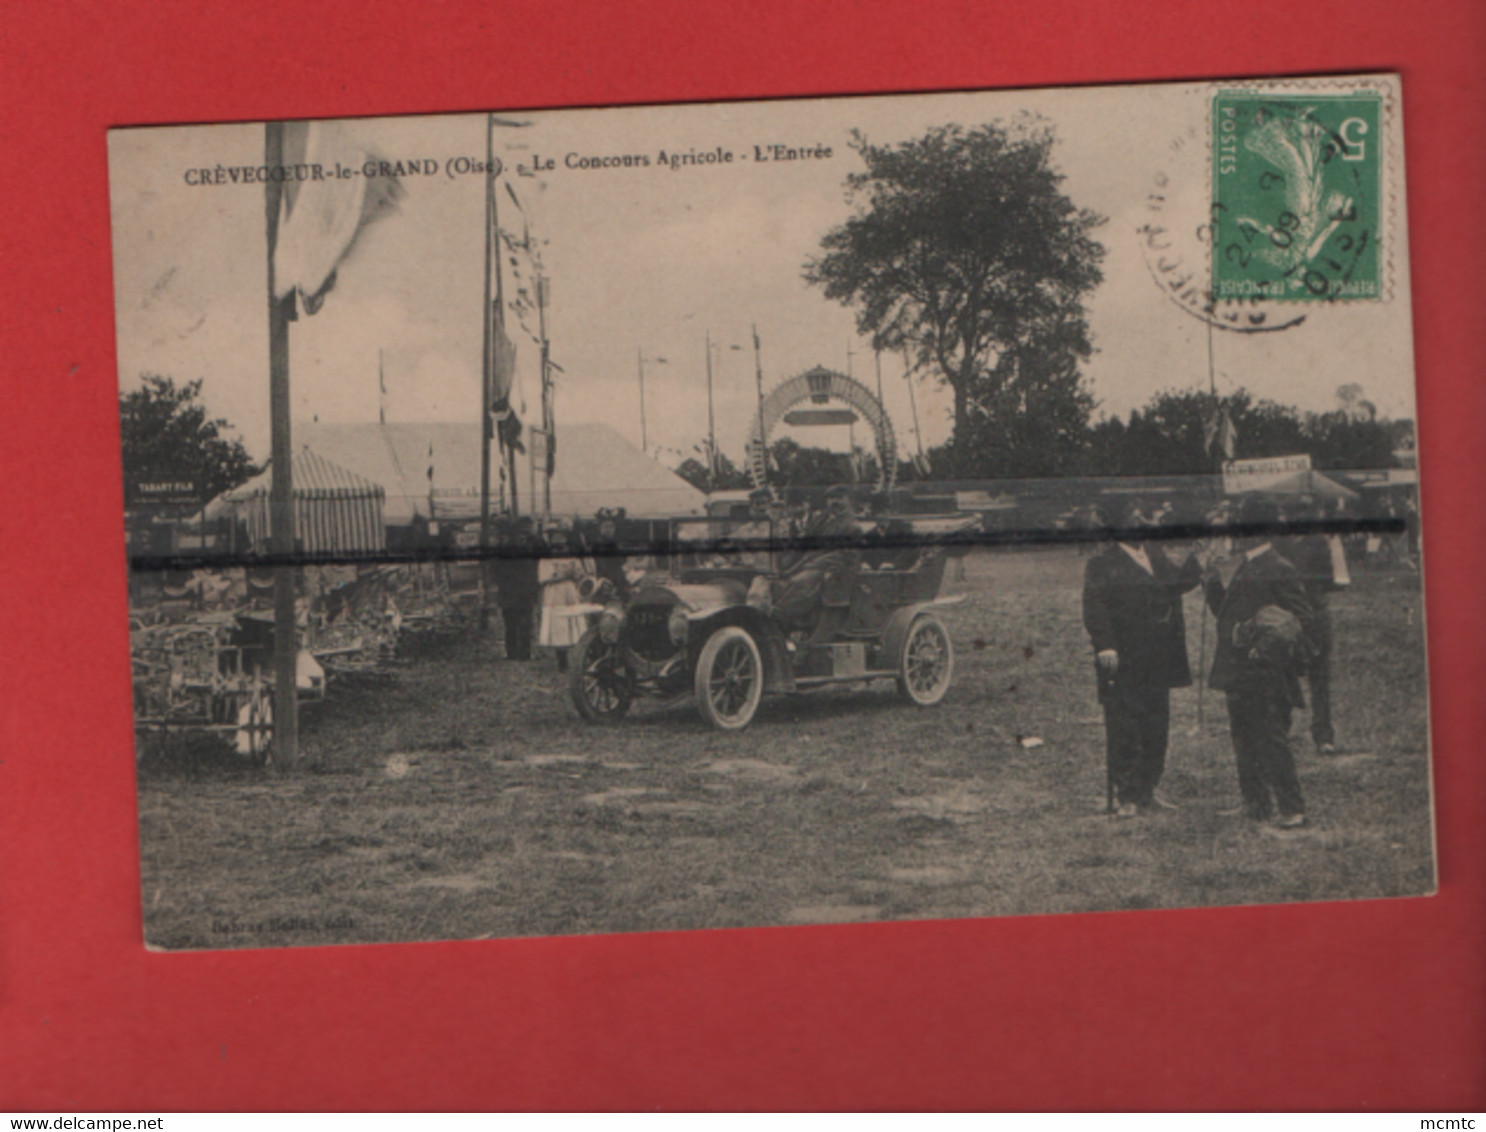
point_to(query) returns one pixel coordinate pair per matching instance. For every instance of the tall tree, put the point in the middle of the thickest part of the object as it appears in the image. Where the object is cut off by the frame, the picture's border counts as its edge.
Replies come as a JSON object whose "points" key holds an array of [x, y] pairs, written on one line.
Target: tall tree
{"points": [[965, 251], [167, 436]]}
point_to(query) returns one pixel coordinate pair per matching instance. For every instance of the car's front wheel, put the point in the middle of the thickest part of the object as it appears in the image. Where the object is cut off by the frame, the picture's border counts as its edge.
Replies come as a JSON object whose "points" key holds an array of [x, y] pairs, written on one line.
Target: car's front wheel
{"points": [[927, 664], [602, 685], [729, 679]]}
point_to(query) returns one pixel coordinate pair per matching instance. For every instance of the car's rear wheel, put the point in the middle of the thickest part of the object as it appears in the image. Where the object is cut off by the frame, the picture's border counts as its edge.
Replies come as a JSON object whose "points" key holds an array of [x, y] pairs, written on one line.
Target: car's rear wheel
{"points": [[602, 685], [927, 664], [729, 679]]}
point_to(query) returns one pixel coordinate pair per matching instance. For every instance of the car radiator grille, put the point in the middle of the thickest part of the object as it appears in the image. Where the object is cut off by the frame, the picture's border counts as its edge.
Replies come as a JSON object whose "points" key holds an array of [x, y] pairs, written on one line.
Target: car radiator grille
{"points": [[648, 634]]}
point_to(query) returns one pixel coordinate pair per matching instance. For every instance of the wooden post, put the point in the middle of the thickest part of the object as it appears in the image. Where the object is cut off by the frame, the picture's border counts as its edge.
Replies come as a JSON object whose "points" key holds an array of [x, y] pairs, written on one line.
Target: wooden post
{"points": [[640, 365], [549, 421], [487, 371], [711, 424], [758, 380], [281, 493]]}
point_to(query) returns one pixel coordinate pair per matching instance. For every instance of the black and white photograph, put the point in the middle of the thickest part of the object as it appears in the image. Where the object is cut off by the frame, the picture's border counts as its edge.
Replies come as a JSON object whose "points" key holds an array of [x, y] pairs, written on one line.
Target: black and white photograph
{"points": [[778, 513]]}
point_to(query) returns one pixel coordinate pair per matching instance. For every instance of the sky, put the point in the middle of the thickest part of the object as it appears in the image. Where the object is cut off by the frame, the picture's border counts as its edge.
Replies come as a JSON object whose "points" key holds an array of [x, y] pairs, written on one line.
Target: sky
{"points": [[653, 260]]}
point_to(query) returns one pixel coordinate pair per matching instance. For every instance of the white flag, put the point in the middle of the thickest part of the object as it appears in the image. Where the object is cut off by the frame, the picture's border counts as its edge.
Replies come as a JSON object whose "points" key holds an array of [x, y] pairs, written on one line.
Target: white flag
{"points": [[323, 217]]}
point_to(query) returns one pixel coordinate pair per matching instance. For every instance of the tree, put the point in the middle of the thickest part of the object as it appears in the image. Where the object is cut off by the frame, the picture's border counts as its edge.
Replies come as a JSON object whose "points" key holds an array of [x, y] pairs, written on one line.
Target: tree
{"points": [[1033, 425], [729, 477], [167, 436], [1171, 435], [964, 250], [790, 464], [793, 463]]}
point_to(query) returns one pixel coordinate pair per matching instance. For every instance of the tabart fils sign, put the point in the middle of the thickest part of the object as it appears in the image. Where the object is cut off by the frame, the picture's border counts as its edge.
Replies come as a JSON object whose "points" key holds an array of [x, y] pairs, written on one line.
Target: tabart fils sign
{"points": [[163, 491], [1255, 475]]}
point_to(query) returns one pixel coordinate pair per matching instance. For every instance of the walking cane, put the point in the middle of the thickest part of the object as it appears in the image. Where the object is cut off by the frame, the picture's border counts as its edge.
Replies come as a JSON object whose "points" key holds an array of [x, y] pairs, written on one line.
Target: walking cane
{"points": [[1202, 662]]}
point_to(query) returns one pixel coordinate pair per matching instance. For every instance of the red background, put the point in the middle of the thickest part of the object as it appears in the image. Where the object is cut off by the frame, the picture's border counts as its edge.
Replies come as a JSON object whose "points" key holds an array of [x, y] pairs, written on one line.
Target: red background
{"points": [[1357, 1005]]}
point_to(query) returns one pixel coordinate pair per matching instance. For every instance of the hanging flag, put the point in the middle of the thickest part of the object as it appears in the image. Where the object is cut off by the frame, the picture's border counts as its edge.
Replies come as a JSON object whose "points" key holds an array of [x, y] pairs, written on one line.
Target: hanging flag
{"points": [[502, 371], [1227, 436], [508, 428], [1219, 436], [549, 422], [322, 219]]}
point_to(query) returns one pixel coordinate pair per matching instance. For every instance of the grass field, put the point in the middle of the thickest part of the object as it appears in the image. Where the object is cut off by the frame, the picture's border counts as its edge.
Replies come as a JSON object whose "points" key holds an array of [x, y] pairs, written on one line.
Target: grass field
{"points": [[469, 800]]}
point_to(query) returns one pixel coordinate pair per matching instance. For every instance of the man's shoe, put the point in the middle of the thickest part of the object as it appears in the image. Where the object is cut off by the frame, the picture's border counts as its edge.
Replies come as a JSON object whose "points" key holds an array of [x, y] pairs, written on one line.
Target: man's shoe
{"points": [[1159, 803], [1289, 821], [1127, 810], [1326, 749], [1245, 810]]}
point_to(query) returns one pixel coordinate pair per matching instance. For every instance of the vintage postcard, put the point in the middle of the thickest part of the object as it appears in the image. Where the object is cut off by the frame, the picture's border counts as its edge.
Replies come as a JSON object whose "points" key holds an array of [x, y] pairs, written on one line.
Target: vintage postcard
{"points": [[775, 513]]}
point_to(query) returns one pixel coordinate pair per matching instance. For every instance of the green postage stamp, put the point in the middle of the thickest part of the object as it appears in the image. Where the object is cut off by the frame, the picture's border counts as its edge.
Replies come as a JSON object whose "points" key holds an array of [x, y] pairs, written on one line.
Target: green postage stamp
{"points": [[1297, 195]]}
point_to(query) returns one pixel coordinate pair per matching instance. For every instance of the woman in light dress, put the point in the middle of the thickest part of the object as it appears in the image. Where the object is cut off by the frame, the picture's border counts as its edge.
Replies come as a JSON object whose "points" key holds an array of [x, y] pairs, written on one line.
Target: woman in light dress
{"points": [[560, 576]]}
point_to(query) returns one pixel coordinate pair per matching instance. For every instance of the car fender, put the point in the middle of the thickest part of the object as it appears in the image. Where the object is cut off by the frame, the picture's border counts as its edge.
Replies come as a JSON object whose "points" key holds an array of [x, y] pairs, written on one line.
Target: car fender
{"points": [[778, 673], [895, 632]]}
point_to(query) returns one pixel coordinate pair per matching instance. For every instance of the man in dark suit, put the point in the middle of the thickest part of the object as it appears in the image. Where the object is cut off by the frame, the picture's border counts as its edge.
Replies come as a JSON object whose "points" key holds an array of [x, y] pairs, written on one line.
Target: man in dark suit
{"points": [[608, 559], [1264, 621], [1133, 612], [518, 591], [818, 583], [1323, 571]]}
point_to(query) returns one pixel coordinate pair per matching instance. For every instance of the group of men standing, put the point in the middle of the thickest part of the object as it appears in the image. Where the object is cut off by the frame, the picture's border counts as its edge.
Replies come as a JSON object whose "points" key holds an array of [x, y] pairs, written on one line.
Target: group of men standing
{"points": [[1273, 627]]}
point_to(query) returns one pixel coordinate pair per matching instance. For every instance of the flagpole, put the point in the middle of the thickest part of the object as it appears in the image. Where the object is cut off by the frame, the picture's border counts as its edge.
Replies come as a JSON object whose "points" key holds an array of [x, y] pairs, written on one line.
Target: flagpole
{"points": [[487, 367], [711, 423], [549, 423], [918, 437], [1212, 388], [640, 364], [758, 377], [281, 492]]}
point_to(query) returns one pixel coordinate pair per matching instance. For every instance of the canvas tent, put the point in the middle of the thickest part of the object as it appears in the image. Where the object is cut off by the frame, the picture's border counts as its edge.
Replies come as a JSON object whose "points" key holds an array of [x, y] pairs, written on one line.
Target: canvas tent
{"points": [[432, 471], [336, 511]]}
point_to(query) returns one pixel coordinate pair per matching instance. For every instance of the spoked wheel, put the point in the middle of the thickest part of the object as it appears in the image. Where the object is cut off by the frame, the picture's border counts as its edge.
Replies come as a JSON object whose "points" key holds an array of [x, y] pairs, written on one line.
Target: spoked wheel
{"points": [[928, 662], [730, 679], [602, 686]]}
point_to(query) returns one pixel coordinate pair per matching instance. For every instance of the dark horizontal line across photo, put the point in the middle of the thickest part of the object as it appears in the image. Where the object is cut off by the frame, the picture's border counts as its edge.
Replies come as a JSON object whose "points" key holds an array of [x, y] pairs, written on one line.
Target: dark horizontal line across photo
{"points": [[947, 540]]}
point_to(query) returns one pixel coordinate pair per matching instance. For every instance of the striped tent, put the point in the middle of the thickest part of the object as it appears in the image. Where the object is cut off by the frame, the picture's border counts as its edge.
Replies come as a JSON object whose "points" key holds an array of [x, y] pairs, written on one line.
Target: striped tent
{"points": [[336, 511]]}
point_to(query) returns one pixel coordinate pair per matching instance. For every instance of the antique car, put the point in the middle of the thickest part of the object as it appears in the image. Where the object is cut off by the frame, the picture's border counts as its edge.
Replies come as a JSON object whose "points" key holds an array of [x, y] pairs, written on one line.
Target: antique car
{"points": [[705, 626]]}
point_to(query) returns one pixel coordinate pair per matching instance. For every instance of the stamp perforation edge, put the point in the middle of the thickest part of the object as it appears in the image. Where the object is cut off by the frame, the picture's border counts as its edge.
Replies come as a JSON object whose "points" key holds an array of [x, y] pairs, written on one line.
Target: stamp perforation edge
{"points": [[1384, 85]]}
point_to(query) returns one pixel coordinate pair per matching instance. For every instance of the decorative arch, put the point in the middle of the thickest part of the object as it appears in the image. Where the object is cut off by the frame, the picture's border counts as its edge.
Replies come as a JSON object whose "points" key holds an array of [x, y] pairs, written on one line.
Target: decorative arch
{"points": [[820, 385]]}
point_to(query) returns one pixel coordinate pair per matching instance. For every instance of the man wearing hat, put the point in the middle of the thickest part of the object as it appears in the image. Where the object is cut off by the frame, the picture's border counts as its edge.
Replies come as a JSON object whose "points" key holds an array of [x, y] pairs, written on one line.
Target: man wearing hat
{"points": [[608, 558], [1264, 620], [1133, 611], [1322, 565], [518, 591], [822, 575]]}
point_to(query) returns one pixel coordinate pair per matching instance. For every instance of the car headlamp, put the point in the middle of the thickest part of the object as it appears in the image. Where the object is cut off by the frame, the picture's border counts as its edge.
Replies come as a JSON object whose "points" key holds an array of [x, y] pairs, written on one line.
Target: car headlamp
{"points": [[678, 625], [610, 621]]}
